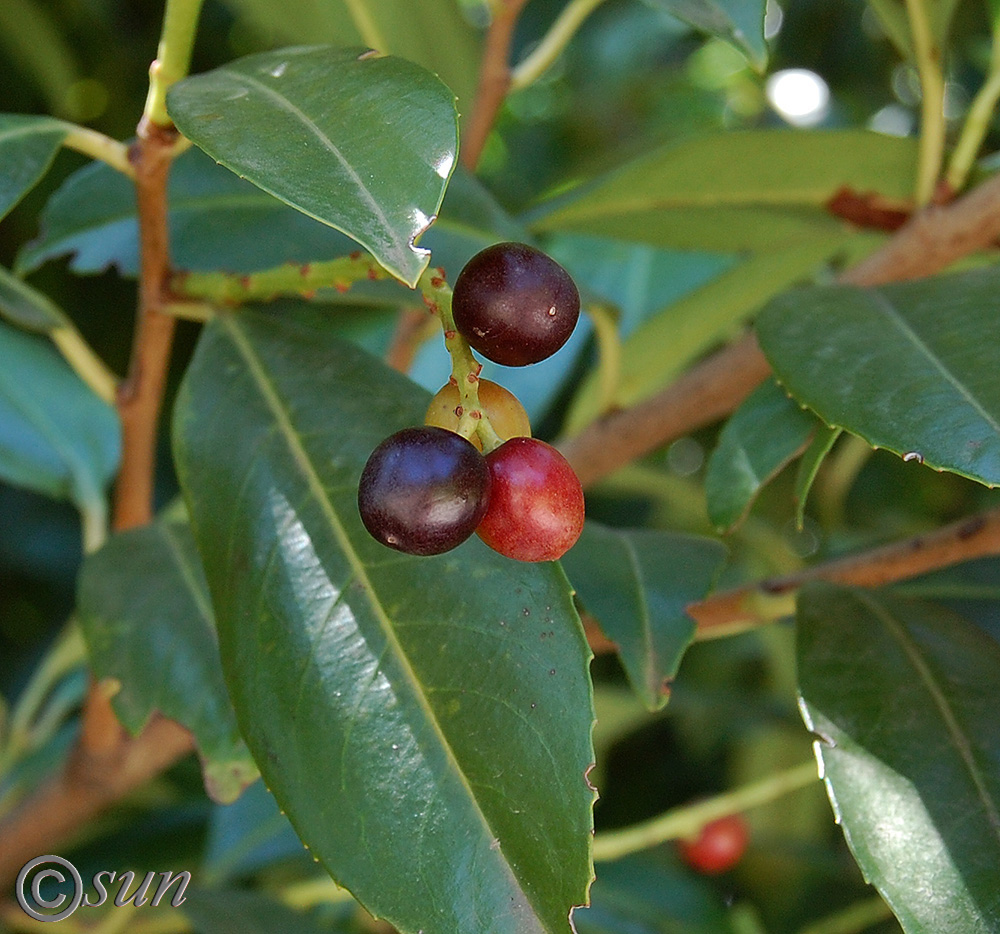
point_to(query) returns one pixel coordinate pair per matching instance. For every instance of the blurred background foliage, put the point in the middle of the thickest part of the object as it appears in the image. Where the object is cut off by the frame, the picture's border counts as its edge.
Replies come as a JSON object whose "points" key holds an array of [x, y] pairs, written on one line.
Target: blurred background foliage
{"points": [[633, 77]]}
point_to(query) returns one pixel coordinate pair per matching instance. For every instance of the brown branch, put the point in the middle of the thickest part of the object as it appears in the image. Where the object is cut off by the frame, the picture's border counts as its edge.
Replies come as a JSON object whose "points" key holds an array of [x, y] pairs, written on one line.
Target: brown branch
{"points": [[84, 788], [974, 537], [701, 396], [105, 763], [411, 331], [140, 395], [930, 242], [494, 81]]}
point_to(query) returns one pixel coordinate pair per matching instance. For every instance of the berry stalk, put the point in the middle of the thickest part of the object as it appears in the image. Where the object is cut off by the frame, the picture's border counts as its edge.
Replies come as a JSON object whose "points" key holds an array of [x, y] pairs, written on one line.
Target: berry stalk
{"points": [[465, 369]]}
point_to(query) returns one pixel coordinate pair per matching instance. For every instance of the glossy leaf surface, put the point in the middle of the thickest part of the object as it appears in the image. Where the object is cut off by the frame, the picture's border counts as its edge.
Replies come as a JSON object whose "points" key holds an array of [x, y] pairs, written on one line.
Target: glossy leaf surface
{"points": [[378, 690], [741, 191], [738, 22], [56, 436], [903, 696], [908, 367], [637, 582], [362, 142], [28, 144], [763, 435], [144, 607]]}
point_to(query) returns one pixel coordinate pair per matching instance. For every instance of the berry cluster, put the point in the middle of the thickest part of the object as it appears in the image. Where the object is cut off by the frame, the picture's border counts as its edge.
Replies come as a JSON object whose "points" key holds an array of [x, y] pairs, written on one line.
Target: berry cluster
{"points": [[476, 468]]}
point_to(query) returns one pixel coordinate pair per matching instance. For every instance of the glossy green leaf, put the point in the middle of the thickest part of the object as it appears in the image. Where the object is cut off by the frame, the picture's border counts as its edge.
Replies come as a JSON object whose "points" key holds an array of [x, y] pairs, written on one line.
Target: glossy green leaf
{"points": [[362, 142], [764, 434], [27, 307], [56, 436], [904, 698], [658, 351], [144, 607], [737, 191], [821, 444], [739, 22], [908, 367], [432, 33], [240, 911], [649, 895], [366, 681], [637, 582], [28, 144]]}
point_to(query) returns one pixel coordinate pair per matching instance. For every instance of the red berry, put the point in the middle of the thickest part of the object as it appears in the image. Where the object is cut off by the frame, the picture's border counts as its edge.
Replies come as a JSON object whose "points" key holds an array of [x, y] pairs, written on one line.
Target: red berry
{"points": [[719, 846], [536, 502], [423, 491], [514, 304]]}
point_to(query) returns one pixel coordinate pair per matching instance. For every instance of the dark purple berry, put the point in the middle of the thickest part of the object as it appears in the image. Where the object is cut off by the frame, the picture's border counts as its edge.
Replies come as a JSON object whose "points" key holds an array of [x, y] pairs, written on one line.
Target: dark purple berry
{"points": [[514, 304], [424, 490]]}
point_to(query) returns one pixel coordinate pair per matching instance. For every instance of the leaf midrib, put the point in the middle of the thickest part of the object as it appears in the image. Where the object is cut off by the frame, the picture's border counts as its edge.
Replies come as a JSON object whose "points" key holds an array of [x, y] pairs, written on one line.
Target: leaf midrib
{"points": [[274, 403], [892, 314], [941, 703], [285, 104]]}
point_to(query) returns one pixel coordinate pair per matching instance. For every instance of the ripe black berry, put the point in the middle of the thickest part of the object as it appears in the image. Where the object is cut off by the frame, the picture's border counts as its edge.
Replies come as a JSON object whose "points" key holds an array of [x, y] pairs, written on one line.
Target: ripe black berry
{"points": [[514, 304], [423, 491]]}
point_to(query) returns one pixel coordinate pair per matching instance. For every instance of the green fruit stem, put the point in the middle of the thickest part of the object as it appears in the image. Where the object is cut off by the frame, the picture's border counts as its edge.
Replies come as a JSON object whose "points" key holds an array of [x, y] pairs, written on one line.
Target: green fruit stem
{"points": [[465, 368]]}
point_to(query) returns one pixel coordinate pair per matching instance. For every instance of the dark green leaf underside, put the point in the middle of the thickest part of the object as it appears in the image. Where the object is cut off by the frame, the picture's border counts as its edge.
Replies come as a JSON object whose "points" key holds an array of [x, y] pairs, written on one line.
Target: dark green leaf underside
{"points": [[362, 142], [27, 307], [764, 434], [28, 144], [56, 436], [903, 695], [145, 612], [908, 367], [637, 583], [449, 695]]}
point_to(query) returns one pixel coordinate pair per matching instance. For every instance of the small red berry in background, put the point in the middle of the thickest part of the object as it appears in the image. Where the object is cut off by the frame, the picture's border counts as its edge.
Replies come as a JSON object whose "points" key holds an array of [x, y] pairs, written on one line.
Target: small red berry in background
{"points": [[536, 502], [718, 847]]}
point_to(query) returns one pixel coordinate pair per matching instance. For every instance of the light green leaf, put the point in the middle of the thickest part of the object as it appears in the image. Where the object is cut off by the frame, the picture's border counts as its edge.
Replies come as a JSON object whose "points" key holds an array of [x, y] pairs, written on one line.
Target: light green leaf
{"points": [[821, 444], [736, 191], [908, 367], [739, 22], [28, 144], [637, 583], [904, 698], [362, 142], [764, 434], [433, 33], [144, 609], [657, 351], [56, 436], [365, 680]]}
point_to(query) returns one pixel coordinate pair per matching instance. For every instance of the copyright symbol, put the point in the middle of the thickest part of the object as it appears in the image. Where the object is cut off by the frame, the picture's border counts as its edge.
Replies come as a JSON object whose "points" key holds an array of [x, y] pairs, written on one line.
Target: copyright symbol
{"points": [[35, 887]]}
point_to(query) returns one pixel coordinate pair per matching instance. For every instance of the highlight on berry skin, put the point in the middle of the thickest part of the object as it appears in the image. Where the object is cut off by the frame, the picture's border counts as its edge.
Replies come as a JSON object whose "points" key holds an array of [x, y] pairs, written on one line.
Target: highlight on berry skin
{"points": [[515, 304], [536, 505], [424, 490]]}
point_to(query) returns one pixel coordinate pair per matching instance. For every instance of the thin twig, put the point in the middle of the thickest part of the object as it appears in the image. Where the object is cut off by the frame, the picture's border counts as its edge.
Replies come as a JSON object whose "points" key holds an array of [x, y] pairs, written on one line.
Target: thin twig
{"points": [[494, 80], [413, 327], [545, 54], [746, 606]]}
